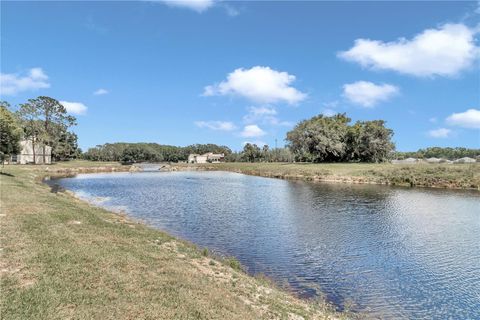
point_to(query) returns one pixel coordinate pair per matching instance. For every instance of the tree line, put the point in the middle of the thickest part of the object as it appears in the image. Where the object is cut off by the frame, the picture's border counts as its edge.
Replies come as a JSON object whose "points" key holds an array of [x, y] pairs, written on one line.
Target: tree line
{"points": [[253, 153], [438, 152], [149, 152], [154, 152], [43, 121]]}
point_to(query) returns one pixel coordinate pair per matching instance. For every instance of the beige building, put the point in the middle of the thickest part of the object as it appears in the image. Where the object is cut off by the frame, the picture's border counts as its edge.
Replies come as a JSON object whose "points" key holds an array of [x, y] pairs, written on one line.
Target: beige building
{"points": [[26, 156], [209, 157]]}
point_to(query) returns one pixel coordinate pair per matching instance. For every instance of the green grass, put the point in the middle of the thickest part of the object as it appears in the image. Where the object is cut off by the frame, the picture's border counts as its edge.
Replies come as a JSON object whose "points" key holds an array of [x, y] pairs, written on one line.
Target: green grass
{"points": [[455, 176], [64, 259]]}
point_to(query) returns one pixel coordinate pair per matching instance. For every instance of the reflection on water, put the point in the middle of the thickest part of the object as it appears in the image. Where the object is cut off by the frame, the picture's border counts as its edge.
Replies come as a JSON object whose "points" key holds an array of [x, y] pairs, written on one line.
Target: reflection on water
{"points": [[389, 252]]}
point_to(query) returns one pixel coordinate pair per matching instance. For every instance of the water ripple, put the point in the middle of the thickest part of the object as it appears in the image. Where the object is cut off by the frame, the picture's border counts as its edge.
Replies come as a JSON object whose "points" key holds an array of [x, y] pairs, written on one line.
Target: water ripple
{"points": [[389, 252]]}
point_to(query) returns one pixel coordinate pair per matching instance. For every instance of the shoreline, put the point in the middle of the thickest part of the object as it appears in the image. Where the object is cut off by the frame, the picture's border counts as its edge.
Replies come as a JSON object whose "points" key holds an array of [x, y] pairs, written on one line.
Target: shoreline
{"points": [[221, 288], [396, 175]]}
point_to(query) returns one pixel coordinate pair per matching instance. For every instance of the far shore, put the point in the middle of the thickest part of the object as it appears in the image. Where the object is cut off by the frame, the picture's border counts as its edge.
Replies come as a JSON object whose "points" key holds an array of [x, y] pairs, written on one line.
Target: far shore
{"points": [[442, 176]]}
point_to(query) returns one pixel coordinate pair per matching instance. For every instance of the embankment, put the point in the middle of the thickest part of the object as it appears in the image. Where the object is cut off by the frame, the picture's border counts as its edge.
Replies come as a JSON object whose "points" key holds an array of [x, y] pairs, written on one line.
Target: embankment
{"points": [[447, 176]]}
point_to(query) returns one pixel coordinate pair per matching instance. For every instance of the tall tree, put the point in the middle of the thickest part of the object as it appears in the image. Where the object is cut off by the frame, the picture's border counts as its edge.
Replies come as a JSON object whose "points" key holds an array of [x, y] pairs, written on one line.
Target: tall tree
{"points": [[369, 141], [251, 152], [66, 147], [265, 152], [319, 138], [10, 133], [32, 127], [53, 116]]}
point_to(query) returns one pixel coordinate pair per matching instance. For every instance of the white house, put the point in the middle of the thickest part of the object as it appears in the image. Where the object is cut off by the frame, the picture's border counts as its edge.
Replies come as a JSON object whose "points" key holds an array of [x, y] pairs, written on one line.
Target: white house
{"points": [[26, 155], [209, 157]]}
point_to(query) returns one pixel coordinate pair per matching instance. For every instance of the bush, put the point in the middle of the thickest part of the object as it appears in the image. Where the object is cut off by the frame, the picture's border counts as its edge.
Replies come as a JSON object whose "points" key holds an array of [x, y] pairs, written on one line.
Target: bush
{"points": [[234, 263]]}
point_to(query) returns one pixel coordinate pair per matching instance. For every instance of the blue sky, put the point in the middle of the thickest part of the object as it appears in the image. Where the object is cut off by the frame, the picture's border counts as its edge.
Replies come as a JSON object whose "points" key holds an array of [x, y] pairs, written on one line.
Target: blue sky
{"points": [[230, 72]]}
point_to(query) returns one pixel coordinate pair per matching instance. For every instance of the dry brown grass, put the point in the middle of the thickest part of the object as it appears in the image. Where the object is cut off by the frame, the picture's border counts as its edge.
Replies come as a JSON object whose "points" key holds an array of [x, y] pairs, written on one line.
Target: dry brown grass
{"points": [[451, 176]]}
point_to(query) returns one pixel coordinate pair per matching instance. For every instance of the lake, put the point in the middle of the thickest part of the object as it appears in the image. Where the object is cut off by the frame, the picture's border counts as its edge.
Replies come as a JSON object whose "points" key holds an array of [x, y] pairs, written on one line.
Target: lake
{"points": [[388, 252]]}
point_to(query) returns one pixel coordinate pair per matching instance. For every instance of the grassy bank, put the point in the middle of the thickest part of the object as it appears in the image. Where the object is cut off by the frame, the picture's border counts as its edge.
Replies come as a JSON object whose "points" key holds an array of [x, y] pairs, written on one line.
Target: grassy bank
{"points": [[64, 259], [453, 176]]}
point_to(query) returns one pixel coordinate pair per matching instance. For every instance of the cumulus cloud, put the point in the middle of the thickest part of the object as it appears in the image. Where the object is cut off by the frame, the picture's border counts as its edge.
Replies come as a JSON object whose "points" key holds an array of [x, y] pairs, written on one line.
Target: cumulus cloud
{"points": [[13, 83], [468, 119], [196, 5], [264, 115], [77, 108], [368, 94], [262, 111], [216, 125], [258, 84], [101, 91], [256, 114], [440, 133], [252, 131], [444, 51]]}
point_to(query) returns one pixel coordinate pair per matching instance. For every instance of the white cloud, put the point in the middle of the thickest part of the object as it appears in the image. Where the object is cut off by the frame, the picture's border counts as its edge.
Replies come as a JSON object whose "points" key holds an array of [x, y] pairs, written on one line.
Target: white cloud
{"points": [[265, 115], [259, 84], [74, 107], [101, 91], [12, 83], [252, 131], [440, 133], [444, 52], [196, 5], [368, 94], [262, 111], [467, 119], [259, 113], [216, 125]]}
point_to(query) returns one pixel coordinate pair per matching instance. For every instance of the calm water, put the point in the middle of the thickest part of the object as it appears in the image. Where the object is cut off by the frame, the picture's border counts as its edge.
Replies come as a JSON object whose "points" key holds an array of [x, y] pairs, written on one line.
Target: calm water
{"points": [[389, 252]]}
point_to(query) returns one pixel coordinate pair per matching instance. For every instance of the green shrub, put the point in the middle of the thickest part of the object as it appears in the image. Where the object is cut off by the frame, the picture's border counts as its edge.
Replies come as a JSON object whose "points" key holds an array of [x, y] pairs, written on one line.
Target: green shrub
{"points": [[234, 263]]}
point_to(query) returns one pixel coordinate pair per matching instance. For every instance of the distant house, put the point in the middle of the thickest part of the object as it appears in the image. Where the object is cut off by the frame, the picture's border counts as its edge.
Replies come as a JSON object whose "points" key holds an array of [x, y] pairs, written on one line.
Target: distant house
{"points": [[27, 153], [209, 157]]}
